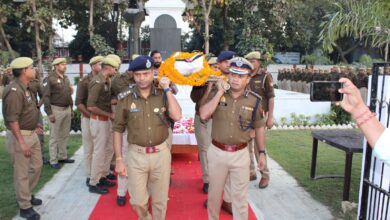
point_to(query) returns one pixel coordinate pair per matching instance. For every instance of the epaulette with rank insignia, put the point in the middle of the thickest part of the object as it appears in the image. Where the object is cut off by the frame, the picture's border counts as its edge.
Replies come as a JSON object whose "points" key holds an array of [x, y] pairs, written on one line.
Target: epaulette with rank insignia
{"points": [[247, 92], [126, 93]]}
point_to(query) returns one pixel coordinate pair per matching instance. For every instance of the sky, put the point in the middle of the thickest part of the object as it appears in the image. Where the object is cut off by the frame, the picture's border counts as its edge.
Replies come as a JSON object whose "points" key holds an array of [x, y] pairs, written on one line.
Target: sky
{"points": [[68, 34]]}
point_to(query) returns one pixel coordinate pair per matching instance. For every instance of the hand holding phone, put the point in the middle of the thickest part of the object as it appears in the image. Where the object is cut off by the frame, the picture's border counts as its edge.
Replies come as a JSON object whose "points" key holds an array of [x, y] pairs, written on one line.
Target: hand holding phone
{"points": [[325, 91]]}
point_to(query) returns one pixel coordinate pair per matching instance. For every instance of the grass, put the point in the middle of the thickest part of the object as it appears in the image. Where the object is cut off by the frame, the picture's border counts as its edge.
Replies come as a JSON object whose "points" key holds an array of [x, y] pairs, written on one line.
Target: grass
{"points": [[292, 150], [8, 205]]}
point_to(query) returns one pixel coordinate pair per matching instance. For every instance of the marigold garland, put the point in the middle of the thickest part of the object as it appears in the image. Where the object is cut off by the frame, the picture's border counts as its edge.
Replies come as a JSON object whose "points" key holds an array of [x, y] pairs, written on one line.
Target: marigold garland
{"points": [[194, 79]]}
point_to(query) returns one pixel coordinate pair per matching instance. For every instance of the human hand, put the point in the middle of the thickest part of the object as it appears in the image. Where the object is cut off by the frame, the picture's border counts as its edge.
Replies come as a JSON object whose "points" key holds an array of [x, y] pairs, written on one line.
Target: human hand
{"points": [[120, 168], [52, 118], [269, 123], [26, 150], [261, 163], [352, 101], [164, 82]]}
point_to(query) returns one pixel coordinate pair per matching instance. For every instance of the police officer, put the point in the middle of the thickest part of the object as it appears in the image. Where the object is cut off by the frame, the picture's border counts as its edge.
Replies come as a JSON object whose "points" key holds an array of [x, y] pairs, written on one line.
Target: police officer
{"points": [[99, 104], [8, 76], [81, 103], [203, 129], [262, 84], [234, 113], [120, 84], [144, 110], [36, 89], [21, 114], [58, 102]]}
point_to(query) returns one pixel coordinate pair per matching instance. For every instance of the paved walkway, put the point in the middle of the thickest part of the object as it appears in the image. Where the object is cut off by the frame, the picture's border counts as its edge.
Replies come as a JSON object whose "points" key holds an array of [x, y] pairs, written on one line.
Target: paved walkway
{"points": [[66, 196]]}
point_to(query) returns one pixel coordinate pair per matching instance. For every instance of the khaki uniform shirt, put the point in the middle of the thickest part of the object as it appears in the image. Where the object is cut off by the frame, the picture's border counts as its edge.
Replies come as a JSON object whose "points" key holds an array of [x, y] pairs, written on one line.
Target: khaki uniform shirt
{"points": [[145, 119], [19, 105], [99, 93], [262, 84], [36, 89], [82, 90], [230, 114], [121, 83], [56, 91], [197, 93]]}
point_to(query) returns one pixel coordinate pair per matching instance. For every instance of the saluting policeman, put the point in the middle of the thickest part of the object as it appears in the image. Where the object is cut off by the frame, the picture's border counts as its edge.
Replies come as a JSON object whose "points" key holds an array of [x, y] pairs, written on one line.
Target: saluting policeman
{"points": [[144, 110], [234, 113], [21, 115], [81, 103], [99, 104], [262, 84], [57, 97]]}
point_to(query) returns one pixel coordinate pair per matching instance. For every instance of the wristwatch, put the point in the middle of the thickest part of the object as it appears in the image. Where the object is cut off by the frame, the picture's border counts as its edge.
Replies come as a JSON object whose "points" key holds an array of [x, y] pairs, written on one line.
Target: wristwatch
{"points": [[167, 89], [262, 152]]}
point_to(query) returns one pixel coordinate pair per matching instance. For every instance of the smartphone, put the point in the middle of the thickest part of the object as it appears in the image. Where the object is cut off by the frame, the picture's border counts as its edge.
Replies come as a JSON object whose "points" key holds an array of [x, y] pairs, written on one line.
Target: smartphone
{"points": [[325, 91]]}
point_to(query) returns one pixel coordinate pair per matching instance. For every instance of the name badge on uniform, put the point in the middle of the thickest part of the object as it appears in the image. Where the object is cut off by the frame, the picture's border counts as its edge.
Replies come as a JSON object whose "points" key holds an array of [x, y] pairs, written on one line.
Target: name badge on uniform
{"points": [[105, 88], [58, 81], [133, 108]]}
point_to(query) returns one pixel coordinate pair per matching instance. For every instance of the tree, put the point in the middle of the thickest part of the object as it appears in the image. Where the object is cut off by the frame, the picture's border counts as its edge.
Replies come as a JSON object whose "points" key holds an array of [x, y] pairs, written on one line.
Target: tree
{"points": [[364, 21], [5, 11]]}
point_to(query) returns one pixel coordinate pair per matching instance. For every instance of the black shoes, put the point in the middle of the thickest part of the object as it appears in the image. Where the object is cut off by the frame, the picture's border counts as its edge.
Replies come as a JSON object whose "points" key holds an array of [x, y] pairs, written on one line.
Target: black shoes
{"points": [[104, 182], [29, 214], [111, 176], [66, 161], [121, 200], [35, 201], [55, 166], [98, 190], [205, 188]]}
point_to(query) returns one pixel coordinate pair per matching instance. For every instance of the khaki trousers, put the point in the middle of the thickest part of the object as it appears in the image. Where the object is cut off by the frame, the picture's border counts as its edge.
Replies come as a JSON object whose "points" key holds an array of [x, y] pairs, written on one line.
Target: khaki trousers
{"points": [[123, 180], [59, 133], [102, 149], [149, 176], [1, 91], [26, 169], [203, 138], [225, 165], [87, 144]]}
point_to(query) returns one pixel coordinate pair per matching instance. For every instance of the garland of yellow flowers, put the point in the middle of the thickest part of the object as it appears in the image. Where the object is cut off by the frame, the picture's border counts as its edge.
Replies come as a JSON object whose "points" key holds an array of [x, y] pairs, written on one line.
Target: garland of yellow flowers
{"points": [[194, 79]]}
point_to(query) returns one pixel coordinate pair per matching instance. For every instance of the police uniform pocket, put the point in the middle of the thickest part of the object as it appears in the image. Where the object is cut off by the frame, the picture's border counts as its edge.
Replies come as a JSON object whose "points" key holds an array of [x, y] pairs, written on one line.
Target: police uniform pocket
{"points": [[245, 115], [135, 119]]}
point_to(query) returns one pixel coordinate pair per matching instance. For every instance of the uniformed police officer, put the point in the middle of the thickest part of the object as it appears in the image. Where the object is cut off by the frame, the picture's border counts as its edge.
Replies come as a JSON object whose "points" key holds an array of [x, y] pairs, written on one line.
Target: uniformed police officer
{"points": [[99, 104], [199, 95], [120, 84], [37, 91], [58, 102], [262, 84], [234, 113], [21, 115], [8, 76], [81, 103], [144, 111]]}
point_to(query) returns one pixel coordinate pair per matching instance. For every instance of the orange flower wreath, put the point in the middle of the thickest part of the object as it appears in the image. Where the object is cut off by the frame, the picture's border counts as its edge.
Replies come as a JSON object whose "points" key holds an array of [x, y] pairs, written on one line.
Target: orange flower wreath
{"points": [[194, 79]]}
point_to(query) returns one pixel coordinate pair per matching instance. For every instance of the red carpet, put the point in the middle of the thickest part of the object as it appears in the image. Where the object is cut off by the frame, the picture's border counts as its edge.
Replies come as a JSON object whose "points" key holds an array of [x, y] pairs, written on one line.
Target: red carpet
{"points": [[185, 196]]}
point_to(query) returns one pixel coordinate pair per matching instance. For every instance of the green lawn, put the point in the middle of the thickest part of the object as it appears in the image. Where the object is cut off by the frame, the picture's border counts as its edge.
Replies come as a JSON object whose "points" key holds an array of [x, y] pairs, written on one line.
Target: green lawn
{"points": [[292, 150], [8, 205]]}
